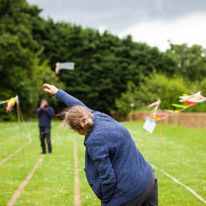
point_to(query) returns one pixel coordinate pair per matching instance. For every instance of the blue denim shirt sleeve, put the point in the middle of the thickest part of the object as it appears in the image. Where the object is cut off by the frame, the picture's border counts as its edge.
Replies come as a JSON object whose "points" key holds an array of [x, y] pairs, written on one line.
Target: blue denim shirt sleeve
{"points": [[50, 112], [99, 154], [69, 100]]}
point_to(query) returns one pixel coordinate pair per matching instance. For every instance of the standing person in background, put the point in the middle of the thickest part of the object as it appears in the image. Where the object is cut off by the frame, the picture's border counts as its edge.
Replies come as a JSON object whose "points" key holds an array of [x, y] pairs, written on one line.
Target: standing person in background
{"points": [[45, 114]]}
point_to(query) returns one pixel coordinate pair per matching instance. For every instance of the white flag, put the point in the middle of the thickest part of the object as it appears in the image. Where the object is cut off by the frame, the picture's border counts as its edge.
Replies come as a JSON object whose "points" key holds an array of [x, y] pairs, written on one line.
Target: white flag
{"points": [[64, 65], [149, 125]]}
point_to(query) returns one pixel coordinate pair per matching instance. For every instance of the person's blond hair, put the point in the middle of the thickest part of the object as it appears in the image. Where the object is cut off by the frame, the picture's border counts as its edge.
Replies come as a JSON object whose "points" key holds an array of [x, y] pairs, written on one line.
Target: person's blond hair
{"points": [[78, 118]]}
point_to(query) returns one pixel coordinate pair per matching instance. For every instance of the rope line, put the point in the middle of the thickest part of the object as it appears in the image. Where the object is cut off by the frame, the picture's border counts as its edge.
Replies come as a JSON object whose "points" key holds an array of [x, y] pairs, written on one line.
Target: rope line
{"points": [[180, 183], [18, 192], [6, 140], [11, 155]]}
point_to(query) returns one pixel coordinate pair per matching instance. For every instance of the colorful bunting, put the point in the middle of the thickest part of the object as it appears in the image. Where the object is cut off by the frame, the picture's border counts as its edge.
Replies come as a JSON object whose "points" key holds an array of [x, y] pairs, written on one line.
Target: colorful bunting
{"points": [[3, 102], [149, 125], [155, 103], [188, 100], [179, 106], [162, 114], [10, 103]]}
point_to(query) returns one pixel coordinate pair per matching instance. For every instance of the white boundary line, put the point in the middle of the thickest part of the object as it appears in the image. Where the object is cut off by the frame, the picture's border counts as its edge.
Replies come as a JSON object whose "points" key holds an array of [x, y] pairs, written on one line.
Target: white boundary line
{"points": [[165, 154], [11, 155], [178, 182], [9, 129], [6, 140], [18, 192]]}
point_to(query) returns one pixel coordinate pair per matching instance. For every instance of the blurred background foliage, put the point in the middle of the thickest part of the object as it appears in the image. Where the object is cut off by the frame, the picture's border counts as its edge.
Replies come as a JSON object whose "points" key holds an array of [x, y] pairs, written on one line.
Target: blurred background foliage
{"points": [[110, 73]]}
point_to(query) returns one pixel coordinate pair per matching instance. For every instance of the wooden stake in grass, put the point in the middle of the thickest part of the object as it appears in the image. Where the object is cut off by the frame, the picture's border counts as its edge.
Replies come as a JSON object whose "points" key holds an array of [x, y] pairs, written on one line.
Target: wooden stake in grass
{"points": [[20, 132], [162, 147], [132, 112], [28, 132], [77, 199]]}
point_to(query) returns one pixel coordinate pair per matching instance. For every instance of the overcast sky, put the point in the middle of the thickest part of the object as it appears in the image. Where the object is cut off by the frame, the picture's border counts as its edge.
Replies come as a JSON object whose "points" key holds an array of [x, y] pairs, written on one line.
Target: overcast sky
{"points": [[151, 21]]}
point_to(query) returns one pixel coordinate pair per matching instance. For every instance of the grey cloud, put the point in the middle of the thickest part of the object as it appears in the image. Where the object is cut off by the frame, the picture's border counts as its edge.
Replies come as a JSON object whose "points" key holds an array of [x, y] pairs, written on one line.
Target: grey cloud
{"points": [[117, 15]]}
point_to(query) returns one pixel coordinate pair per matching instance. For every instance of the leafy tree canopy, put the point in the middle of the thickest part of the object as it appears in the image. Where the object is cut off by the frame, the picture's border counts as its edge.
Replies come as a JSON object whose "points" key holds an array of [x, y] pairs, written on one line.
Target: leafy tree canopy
{"points": [[30, 46]]}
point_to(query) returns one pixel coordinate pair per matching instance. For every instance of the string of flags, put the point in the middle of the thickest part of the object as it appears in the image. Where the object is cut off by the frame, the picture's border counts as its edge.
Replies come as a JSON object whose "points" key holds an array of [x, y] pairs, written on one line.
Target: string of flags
{"points": [[187, 100], [10, 103]]}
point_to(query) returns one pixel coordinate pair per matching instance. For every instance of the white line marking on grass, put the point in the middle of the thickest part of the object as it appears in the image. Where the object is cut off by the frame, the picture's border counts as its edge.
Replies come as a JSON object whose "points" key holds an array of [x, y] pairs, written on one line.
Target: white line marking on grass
{"points": [[6, 140], [183, 162], [11, 155], [77, 199], [178, 182], [10, 128], [18, 192], [178, 160]]}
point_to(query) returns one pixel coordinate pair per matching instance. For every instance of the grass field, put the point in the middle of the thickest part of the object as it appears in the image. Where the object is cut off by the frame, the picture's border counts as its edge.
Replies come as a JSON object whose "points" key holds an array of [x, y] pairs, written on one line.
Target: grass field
{"points": [[181, 152]]}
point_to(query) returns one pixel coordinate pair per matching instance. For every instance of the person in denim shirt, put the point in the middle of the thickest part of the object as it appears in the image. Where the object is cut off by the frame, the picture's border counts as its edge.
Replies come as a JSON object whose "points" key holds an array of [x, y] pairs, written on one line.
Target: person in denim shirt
{"points": [[115, 169]]}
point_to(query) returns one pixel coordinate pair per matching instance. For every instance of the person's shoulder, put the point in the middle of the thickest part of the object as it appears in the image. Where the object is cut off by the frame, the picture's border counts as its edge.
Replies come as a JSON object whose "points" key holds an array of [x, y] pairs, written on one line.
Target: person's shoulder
{"points": [[97, 133], [102, 117]]}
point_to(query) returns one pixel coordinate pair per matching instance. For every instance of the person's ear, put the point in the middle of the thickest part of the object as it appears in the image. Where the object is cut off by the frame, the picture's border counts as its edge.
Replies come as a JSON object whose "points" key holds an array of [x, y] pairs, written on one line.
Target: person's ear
{"points": [[82, 122]]}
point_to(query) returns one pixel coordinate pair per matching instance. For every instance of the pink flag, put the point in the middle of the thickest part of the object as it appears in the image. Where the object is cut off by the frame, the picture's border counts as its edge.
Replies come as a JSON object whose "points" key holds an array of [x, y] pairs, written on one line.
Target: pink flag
{"points": [[155, 103]]}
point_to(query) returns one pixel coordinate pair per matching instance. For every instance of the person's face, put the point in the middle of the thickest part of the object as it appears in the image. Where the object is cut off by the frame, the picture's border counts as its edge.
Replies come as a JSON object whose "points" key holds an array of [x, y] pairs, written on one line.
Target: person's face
{"points": [[44, 102]]}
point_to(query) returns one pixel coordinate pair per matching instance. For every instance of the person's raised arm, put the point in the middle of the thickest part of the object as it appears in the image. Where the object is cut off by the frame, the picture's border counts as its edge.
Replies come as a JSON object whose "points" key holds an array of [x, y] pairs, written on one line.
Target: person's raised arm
{"points": [[50, 112], [38, 111], [65, 97]]}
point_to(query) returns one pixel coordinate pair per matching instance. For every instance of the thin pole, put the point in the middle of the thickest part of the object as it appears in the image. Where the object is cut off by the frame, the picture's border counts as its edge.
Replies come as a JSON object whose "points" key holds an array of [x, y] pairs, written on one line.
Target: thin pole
{"points": [[132, 114], [20, 131], [28, 133], [162, 147], [162, 143], [77, 197]]}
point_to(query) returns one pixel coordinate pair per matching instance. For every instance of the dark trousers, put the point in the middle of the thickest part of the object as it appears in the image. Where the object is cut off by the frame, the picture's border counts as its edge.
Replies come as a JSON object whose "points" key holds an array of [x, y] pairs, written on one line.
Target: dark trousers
{"points": [[45, 133], [149, 197]]}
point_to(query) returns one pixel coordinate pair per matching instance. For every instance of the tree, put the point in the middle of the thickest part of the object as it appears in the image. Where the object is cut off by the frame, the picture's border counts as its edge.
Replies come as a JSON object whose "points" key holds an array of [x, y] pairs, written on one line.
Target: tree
{"points": [[152, 88], [190, 61], [104, 63], [19, 63]]}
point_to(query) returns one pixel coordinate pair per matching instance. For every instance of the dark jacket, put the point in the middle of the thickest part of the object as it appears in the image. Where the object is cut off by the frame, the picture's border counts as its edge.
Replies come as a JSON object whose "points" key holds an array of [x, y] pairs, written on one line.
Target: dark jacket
{"points": [[115, 169], [45, 116]]}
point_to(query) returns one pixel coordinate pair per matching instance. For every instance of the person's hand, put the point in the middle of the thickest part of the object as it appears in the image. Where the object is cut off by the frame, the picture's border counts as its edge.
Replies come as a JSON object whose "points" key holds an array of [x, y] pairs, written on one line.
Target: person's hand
{"points": [[56, 69], [42, 105], [50, 89]]}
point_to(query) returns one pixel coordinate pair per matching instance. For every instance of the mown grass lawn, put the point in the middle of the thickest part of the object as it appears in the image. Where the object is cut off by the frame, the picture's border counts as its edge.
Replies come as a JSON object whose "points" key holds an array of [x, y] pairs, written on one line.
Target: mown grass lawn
{"points": [[180, 152]]}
